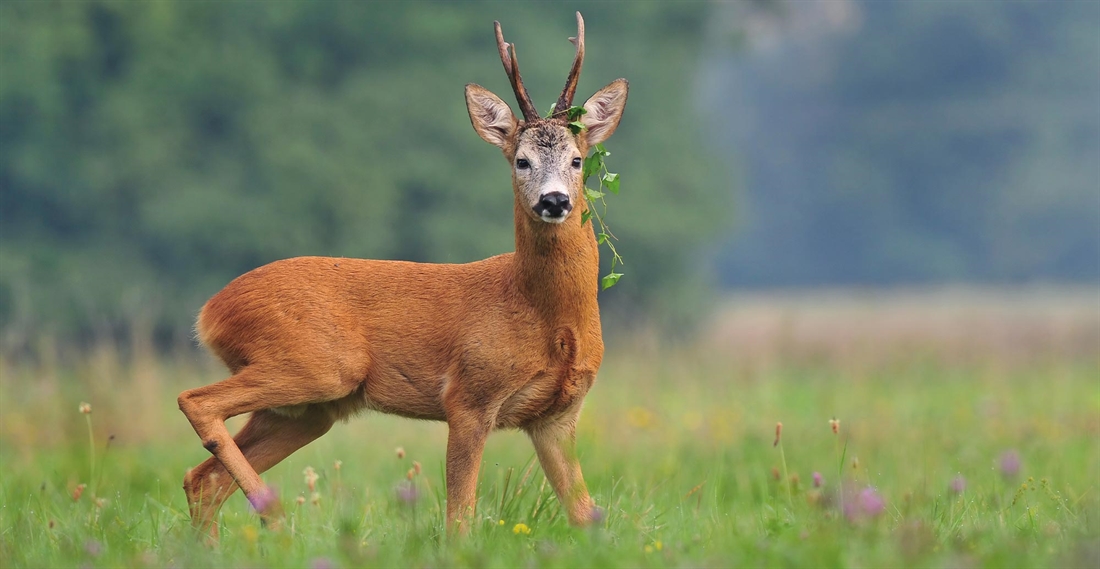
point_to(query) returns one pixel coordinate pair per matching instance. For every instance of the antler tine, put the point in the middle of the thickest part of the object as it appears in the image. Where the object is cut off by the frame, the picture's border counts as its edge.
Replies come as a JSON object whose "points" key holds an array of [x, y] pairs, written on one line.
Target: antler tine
{"points": [[511, 67], [566, 98]]}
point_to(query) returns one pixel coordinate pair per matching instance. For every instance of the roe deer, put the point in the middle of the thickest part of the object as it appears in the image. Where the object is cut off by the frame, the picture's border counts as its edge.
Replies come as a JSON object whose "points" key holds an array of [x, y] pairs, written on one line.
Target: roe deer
{"points": [[512, 341]]}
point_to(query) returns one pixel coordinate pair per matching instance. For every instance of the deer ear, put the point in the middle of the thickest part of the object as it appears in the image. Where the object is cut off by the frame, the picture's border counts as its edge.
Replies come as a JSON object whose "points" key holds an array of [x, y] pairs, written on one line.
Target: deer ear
{"points": [[605, 108], [492, 118]]}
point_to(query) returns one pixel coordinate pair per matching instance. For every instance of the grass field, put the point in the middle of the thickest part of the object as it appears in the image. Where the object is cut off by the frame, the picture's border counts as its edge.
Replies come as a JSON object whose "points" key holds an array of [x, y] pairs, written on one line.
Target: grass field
{"points": [[948, 455]]}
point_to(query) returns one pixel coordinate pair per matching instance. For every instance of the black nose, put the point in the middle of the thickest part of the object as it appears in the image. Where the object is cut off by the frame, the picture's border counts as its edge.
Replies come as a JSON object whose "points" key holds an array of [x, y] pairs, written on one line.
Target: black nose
{"points": [[553, 204]]}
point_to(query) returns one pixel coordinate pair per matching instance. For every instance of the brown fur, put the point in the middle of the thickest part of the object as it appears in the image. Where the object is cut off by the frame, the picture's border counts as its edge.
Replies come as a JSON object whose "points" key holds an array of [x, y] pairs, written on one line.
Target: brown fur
{"points": [[512, 341]]}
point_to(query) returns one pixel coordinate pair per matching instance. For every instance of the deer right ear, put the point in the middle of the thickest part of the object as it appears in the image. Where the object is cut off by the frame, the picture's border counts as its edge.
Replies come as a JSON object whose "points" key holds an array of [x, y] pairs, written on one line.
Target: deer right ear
{"points": [[492, 118]]}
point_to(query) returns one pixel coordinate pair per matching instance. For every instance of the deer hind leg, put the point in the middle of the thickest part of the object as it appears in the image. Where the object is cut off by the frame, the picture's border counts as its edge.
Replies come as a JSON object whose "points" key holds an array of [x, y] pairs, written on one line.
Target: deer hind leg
{"points": [[555, 445], [265, 440], [252, 389]]}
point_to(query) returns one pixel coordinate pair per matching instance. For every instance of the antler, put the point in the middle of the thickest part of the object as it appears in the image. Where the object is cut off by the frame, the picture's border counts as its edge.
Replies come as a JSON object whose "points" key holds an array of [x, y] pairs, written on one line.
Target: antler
{"points": [[511, 67], [566, 98]]}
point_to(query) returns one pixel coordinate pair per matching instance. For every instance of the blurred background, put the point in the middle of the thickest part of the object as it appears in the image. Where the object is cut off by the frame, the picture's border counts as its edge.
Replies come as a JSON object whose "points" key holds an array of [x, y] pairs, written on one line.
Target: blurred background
{"points": [[777, 158]]}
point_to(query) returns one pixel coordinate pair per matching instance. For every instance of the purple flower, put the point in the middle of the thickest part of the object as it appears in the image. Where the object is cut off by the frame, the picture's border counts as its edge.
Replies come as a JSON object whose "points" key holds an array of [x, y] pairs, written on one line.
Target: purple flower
{"points": [[407, 493], [93, 547], [819, 480], [868, 504], [598, 514], [1010, 464], [322, 563], [958, 484], [263, 499]]}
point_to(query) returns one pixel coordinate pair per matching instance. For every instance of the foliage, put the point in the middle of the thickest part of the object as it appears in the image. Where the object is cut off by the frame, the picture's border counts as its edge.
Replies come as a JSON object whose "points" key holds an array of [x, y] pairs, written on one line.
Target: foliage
{"points": [[676, 447], [153, 151], [915, 142]]}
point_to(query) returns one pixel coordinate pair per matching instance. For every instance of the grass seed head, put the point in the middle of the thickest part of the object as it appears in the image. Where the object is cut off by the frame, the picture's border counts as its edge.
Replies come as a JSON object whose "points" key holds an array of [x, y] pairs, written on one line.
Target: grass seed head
{"points": [[78, 491], [834, 424], [311, 478], [85, 408], [778, 433], [400, 451]]}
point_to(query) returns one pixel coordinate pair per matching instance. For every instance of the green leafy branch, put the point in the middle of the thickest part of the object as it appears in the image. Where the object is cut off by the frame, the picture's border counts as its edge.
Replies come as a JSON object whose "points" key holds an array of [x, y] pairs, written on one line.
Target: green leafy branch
{"points": [[595, 164]]}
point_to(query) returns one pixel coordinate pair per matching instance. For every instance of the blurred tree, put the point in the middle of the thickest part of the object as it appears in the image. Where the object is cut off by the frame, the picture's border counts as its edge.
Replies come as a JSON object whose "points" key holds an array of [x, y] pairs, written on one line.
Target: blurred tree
{"points": [[152, 151], [902, 142]]}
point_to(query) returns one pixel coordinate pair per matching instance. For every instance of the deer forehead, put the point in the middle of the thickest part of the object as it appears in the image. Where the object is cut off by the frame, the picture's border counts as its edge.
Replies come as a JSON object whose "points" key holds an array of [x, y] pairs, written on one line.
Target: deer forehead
{"points": [[547, 142]]}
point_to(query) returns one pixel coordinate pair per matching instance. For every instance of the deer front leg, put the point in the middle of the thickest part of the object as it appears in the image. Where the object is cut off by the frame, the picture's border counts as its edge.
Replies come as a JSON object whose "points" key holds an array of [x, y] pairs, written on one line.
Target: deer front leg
{"points": [[465, 445], [555, 444]]}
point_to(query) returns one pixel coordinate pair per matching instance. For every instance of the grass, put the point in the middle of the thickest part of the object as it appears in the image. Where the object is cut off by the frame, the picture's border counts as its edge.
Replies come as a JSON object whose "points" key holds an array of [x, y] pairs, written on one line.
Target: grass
{"points": [[676, 444]]}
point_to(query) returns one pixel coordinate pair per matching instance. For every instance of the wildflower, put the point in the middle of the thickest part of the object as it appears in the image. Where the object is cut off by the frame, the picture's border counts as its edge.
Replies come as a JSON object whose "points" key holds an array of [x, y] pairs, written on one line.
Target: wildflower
{"points": [[598, 514], [658, 545], [958, 484], [639, 417], [819, 480], [1010, 464], [85, 408], [500, 523], [871, 502], [834, 423], [263, 499], [400, 452], [336, 465], [778, 433], [93, 547], [410, 473], [407, 493], [311, 478], [521, 528], [322, 563], [648, 549], [78, 491], [300, 500], [416, 467]]}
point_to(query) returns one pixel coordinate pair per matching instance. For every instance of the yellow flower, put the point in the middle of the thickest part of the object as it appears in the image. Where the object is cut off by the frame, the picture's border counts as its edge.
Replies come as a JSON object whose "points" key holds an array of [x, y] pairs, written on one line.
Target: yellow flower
{"points": [[521, 528], [648, 549], [658, 545], [500, 523]]}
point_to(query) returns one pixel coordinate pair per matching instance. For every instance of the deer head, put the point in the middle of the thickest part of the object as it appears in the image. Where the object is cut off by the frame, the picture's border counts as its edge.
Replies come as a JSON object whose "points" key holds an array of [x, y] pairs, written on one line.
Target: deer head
{"points": [[546, 157]]}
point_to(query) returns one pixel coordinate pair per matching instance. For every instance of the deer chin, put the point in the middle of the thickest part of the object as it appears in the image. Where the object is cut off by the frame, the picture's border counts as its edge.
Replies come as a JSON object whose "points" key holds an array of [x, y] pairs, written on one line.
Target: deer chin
{"points": [[555, 220]]}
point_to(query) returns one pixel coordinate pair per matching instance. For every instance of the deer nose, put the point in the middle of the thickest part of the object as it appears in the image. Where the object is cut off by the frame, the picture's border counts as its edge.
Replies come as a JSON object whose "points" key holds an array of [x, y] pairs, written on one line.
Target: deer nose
{"points": [[553, 204]]}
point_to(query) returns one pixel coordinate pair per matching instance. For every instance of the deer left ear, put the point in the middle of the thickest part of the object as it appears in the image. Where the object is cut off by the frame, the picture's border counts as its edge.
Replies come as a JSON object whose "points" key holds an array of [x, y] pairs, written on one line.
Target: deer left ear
{"points": [[605, 108]]}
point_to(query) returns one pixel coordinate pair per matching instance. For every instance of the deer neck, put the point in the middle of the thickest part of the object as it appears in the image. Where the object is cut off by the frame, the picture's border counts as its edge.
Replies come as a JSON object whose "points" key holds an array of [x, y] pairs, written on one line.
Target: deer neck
{"points": [[557, 268]]}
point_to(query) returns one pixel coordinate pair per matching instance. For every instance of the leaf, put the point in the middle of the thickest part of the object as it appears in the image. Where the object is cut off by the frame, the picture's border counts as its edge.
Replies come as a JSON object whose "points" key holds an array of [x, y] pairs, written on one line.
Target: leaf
{"points": [[586, 216], [577, 127], [610, 279], [611, 180], [575, 112], [600, 150], [601, 238], [592, 164], [593, 194]]}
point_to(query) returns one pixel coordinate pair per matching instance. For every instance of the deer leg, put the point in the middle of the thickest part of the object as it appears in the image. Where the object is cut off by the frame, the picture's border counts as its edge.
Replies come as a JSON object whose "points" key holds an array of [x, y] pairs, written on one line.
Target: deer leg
{"points": [[465, 445], [250, 390], [555, 445], [265, 440]]}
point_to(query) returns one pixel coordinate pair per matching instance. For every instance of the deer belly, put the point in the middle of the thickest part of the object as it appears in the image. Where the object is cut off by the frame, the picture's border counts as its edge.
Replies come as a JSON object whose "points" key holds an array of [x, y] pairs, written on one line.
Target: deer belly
{"points": [[407, 395]]}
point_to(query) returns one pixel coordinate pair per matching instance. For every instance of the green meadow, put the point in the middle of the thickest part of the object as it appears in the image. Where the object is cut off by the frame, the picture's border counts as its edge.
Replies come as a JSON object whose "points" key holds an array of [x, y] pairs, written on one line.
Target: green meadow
{"points": [[974, 450]]}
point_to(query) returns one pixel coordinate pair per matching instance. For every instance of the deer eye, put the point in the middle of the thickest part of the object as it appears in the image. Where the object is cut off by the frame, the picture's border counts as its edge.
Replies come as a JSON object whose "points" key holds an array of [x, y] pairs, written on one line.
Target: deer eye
{"points": [[576, 162], [522, 164]]}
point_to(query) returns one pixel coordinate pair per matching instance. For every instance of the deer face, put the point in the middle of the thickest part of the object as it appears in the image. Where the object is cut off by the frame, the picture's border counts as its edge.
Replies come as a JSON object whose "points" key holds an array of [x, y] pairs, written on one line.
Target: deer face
{"points": [[546, 170], [546, 157]]}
